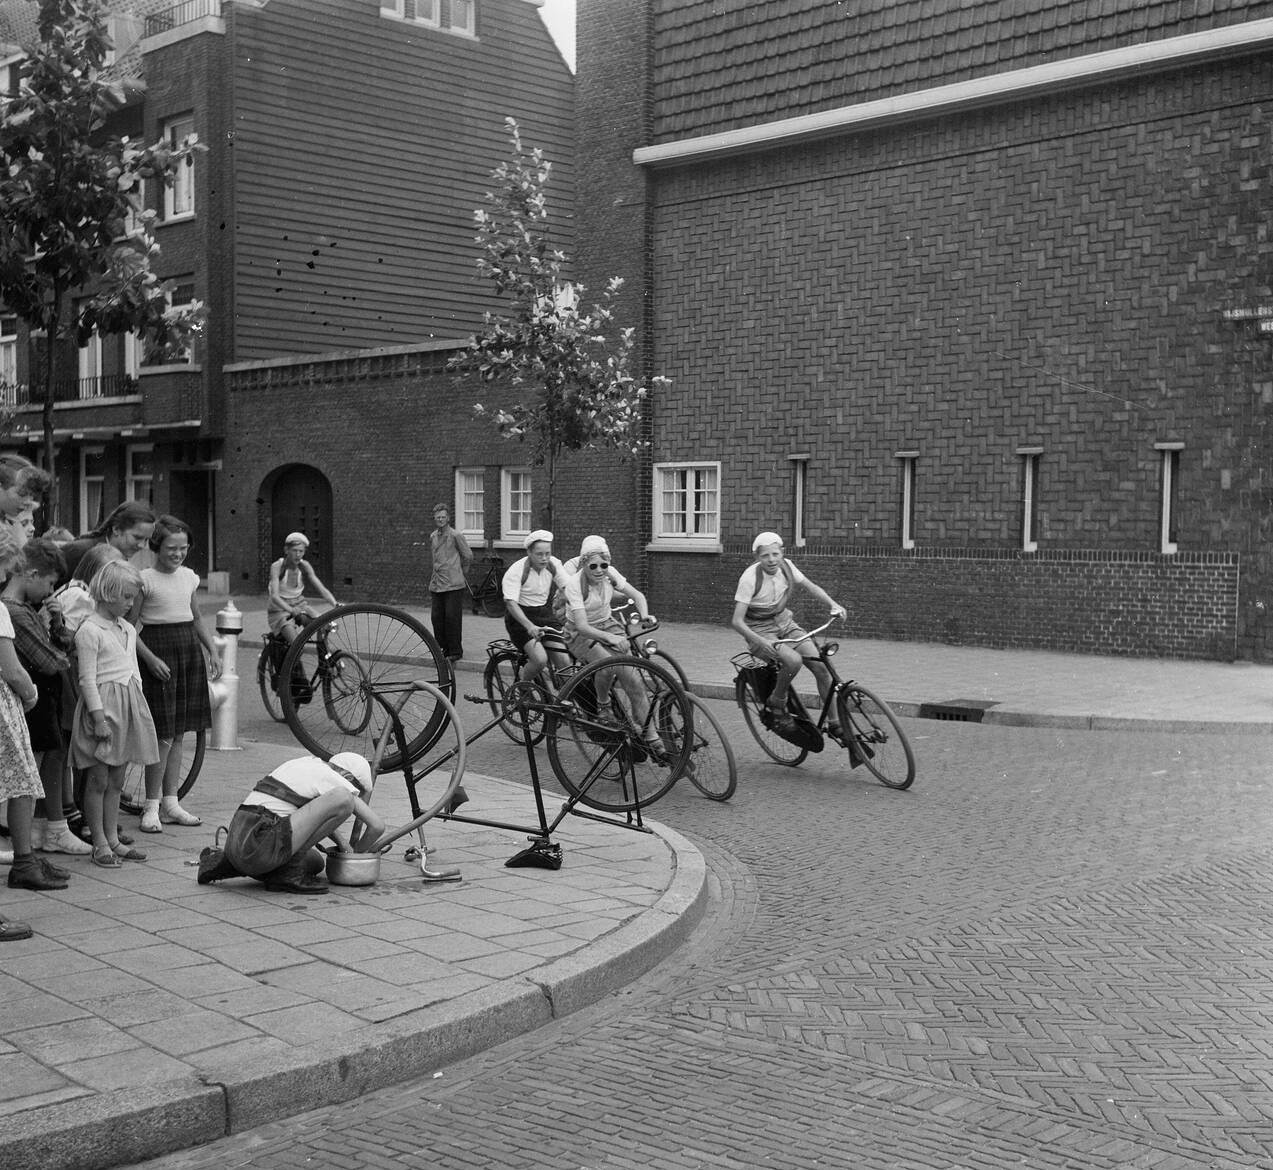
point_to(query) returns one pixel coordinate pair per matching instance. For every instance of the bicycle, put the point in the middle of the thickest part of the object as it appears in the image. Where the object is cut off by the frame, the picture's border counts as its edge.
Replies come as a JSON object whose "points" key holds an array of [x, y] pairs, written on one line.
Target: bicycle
{"points": [[711, 767], [488, 592], [869, 731], [337, 675], [504, 666]]}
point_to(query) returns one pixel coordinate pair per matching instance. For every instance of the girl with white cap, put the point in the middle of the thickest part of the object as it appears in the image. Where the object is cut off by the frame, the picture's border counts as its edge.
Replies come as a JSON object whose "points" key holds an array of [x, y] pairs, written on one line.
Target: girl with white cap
{"points": [[287, 610], [762, 614], [528, 588]]}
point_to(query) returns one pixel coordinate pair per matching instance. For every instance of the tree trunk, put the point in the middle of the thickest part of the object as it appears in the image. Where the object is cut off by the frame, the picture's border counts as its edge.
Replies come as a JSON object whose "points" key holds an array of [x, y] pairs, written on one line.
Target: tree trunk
{"points": [[53, 505], [551, 462]]}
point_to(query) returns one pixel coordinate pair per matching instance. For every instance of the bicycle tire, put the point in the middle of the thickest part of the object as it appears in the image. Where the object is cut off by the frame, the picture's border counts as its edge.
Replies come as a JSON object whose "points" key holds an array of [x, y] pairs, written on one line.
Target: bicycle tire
{"points": [[132, 797], [711, 767], [789, 755], [346, 698], [265, 683], [665, 659], [879, 737], [393, 649], [502, 671], [626, 775], [493, 603]]}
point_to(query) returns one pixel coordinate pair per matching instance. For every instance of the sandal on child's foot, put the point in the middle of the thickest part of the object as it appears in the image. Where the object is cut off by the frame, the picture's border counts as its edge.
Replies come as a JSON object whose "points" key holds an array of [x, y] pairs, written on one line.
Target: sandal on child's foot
{"points": [[176, 815], [128, 853], [104, 856]]}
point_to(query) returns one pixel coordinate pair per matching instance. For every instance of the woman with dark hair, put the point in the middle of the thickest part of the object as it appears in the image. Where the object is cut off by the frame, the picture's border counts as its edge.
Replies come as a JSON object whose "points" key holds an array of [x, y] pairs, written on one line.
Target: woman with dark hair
{"points": [[127, 528], [178, 654], [22, 484]]}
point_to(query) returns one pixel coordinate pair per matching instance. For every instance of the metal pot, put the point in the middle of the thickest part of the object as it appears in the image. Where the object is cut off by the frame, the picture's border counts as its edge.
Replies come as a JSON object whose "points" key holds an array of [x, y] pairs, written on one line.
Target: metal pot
{"points": [[353, 869]]}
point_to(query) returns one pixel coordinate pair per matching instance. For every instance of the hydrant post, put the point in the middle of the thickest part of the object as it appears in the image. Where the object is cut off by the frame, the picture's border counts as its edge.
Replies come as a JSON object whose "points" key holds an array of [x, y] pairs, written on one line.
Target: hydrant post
{"points": [[225, 690]]}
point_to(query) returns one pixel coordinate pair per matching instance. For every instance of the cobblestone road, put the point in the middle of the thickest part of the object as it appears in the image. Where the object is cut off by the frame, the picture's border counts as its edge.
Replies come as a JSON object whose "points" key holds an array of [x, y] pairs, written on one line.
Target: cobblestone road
{"points": [[1055, 951]]}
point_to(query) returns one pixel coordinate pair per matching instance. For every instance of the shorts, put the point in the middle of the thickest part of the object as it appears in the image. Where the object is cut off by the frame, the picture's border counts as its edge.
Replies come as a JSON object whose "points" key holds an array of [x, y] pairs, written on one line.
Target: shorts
{"points": [[580, 644], [780, 626], [259, 840], [541, 615]]}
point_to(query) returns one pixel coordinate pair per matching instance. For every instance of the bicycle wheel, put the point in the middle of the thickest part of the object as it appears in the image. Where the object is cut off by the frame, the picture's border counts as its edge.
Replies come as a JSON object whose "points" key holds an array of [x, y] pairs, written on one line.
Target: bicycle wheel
{"points": [[878, 735], [502, 671], [598, 750], [389, 649], [132, 797], [265, 683], [711, 768], [663, 658], [773, 745], [493, 603]]}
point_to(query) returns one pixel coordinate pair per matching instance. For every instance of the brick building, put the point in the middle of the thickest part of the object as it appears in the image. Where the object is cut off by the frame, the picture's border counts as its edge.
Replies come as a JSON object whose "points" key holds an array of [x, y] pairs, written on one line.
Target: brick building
{"points": [[329, 230], [971, 301]]}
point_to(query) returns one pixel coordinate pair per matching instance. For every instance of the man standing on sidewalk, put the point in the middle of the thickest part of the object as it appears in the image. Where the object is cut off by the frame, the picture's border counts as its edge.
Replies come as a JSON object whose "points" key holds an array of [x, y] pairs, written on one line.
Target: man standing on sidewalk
{"points": [[451, 559]]}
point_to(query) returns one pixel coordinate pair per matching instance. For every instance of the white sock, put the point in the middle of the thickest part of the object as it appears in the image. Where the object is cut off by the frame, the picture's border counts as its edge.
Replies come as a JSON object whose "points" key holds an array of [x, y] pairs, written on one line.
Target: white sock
{"points": [[170, 802], [53, 828], [151, 806]]}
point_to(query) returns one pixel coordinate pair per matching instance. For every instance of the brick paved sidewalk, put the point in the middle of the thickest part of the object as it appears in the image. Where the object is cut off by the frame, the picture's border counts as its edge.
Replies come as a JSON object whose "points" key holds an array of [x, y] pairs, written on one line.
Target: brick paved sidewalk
{"points": [[149, 1012]]}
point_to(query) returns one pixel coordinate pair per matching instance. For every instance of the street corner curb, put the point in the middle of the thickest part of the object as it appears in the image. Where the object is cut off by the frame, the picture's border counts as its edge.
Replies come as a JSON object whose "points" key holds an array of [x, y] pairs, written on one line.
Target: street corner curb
{"points": [[397, 1051], [578, 980], [127, 1125]]}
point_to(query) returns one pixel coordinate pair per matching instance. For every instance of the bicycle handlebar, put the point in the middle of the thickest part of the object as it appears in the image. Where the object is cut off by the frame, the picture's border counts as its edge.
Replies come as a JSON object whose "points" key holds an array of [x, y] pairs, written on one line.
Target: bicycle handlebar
{"points": [[811, 634]]}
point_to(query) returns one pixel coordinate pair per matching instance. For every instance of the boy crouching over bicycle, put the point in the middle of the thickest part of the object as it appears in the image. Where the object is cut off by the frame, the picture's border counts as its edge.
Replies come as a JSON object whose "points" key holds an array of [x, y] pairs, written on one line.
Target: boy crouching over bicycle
{"points": [[762, 615]]}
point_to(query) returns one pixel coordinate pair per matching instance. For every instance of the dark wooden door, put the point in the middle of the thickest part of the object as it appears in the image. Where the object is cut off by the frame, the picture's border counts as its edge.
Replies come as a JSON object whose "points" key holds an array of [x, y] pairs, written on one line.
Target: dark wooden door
{"points": [[190, 499], [302, 502]]}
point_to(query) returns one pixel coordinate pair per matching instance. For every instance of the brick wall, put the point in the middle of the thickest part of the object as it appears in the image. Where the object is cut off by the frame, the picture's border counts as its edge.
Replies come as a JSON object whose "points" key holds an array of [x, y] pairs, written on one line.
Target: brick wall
{"points": [[1083, 600], [387, 430]]}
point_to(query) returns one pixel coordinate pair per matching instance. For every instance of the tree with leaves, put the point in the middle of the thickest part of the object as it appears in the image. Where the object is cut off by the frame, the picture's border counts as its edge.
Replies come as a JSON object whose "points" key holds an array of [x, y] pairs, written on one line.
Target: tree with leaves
{"points": [[68, 194], [571, 363]]}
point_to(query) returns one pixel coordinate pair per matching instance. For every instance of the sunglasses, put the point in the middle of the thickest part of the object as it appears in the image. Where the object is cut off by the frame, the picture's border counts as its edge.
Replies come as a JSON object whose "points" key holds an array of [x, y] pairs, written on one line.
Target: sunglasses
{"points": [[599, 565]]}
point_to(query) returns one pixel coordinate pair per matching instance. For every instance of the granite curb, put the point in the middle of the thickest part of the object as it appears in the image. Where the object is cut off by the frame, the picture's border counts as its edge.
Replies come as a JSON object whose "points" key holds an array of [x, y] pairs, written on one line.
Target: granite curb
{"points": [[136, 1124]]}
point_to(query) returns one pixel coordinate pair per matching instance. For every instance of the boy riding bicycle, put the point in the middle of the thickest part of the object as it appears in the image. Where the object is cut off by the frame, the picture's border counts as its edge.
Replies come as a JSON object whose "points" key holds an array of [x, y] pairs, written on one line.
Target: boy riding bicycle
{"points": [[762, 615], [288, 611]]}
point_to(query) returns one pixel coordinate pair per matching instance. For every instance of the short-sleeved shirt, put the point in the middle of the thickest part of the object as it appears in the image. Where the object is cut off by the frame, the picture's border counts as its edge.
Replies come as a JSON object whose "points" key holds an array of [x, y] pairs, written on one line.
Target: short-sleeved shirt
{"points": [[166, 596], [308, 777], [535, 590], [596, 606], [773, 593]]}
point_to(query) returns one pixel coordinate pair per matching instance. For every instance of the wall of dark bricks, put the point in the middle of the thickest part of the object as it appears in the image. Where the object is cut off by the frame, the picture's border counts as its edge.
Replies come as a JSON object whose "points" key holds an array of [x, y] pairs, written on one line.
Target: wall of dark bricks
{"points": [[387, 431], [1053, 274]]}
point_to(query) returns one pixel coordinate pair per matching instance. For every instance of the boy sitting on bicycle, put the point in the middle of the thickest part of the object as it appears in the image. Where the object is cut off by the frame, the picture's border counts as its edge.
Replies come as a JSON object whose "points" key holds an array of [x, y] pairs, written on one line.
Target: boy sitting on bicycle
{"points": [[288, 610], [528, 587], [762, 615]]}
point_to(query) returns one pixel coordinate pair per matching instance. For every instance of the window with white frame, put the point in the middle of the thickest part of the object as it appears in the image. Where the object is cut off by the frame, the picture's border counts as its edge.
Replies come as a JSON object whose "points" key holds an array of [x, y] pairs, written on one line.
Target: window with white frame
{"points": [[179, 195], [92, 477], [1168, 480], [163, 353], [139, 483], [516, 519], [799, 495], [686, 506], [8, 359], [132, 356], [907, 461], [135, 220], [89, 368], [453, 16], [1029, 497], [470, 503]]}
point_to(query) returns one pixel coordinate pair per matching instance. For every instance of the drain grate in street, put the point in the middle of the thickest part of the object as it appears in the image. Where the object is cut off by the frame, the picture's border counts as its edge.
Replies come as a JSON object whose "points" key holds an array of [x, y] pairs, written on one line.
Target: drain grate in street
{"points": [[956, 710]]}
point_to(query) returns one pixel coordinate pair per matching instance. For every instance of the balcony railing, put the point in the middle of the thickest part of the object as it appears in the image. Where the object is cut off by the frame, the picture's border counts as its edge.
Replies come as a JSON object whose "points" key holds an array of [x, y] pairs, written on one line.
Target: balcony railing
{"points": [[72, 390], [179, 14]]}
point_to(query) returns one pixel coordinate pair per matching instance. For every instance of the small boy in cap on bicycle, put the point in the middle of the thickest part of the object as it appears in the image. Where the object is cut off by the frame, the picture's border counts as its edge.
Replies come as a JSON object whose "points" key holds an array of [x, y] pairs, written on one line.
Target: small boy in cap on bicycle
{"points": [[762, 615]]}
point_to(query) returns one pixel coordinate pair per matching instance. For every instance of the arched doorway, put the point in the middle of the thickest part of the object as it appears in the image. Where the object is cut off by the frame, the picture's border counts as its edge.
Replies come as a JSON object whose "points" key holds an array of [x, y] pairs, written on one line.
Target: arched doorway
{"points": [[301, 501]]}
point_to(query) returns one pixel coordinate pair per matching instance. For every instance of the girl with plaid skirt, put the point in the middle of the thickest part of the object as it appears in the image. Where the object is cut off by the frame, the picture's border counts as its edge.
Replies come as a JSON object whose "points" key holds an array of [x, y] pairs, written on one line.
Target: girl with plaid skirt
{"points": [[180, 657]]}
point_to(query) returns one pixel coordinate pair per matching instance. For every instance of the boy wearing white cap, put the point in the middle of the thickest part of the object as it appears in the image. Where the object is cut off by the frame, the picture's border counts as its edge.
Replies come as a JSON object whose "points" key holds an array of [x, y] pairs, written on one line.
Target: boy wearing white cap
{"points": [[288, 610], [290, 811], [762, 615], [528, 586]]}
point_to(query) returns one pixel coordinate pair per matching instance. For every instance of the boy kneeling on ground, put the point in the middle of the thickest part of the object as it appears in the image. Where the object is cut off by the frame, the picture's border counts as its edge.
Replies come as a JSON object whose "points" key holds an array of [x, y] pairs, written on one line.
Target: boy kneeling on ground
{"points": [[301, 802]]}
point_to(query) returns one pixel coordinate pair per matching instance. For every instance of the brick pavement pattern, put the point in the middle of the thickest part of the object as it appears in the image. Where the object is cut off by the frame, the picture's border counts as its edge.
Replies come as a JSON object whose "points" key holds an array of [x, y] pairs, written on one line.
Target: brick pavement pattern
{"points": [[1053, 952]]}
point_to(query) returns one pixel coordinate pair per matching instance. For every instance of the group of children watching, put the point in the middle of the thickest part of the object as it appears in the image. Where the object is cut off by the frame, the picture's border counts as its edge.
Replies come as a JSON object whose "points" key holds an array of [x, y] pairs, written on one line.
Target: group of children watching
{"points": [[75, 633]]}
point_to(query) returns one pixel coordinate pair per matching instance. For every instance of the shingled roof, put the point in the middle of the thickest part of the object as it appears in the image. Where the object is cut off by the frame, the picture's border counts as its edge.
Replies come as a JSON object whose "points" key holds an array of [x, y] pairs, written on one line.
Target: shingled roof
{"points": [[725, 64]]}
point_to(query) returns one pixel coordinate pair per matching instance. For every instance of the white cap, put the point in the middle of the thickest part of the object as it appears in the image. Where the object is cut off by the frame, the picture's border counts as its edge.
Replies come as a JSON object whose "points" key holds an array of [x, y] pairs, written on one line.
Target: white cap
{"points": [[536, 536], [593, 544], [296, 538], [765, 538], [356, 766]]}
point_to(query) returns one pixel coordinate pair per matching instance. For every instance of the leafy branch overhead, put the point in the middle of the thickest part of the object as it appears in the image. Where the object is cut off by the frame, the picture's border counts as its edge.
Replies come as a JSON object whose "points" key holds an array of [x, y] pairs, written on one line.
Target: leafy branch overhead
{"points": [[573, 364], [71, 216]]}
